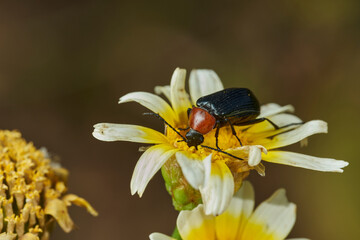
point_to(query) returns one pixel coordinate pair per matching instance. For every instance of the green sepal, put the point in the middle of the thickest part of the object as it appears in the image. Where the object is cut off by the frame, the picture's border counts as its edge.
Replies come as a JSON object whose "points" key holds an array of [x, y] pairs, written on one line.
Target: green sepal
{"points": [[184, 196], [176, 234]]}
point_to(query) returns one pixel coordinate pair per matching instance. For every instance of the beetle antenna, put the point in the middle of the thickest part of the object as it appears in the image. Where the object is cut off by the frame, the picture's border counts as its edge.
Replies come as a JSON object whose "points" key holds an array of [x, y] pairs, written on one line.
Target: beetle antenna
{"points": [[161, 118], [291, 124], [221, 151]]}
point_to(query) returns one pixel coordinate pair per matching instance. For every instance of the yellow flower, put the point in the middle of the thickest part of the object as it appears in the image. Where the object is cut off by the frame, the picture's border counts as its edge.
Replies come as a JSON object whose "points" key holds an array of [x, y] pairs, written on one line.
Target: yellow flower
{"points": [[32, 191], [273, 219], [216, 175]]}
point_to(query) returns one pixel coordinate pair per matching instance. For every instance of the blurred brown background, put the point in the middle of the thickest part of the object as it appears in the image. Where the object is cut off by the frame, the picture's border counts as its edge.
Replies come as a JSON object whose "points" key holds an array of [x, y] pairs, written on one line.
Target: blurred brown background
{"points": [[64, 65]]}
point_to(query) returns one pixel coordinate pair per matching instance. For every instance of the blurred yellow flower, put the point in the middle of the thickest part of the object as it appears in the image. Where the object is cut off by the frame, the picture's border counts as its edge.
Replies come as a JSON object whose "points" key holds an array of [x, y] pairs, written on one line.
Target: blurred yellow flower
{"points": [[216, 175], [32, 191], [273, 219]]}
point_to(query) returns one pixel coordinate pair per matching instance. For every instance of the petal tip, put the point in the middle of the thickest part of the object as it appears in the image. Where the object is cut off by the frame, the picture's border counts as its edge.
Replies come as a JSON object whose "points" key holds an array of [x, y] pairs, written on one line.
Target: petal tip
{"points": [[133, 190], [157, 90], [341, 165], [322, 125], [98, 134], [281, 192], [95, 134], [122, 100], [180, 69], [290, 108]]}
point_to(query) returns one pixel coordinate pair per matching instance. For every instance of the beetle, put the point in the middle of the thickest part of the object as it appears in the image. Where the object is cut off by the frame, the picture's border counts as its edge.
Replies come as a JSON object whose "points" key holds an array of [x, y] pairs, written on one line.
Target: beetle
{"points": [[231, 106]]}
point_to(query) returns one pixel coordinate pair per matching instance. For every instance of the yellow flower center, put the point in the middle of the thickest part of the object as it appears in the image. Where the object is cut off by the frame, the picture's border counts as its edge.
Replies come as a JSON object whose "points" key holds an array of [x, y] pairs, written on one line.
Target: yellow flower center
{"points": [[226, 140], [30, 190]]}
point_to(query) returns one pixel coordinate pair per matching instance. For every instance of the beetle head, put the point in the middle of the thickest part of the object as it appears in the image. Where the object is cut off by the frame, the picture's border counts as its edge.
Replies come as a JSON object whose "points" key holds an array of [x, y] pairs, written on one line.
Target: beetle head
{"points": [[194, 138]]}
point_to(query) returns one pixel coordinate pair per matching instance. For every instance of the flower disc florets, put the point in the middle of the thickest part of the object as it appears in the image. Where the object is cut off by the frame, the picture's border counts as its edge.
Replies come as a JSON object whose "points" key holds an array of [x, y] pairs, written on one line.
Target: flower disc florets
{"points": [[32, 191]]}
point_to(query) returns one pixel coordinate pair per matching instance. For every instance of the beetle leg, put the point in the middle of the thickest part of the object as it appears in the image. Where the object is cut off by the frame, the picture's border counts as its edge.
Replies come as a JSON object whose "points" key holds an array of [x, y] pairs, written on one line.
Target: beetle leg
{"points": [[234, 132], [216, 137], [221, 151], [271, 122], [257, 120], [291, 124], [161, 118]]}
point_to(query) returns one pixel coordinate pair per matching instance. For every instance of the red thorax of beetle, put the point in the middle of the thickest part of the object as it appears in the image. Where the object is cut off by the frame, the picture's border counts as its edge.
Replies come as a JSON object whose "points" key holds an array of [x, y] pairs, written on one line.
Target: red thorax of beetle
{"points": [[201, 121]]}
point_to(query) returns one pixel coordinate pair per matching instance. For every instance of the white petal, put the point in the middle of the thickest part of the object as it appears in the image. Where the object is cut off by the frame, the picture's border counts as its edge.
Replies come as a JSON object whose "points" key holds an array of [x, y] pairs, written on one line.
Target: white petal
{"points": [[273, 108], [218, 190], [203, 82], [163, 90], [147, 166], [296, 135], [276, 215], [233, 220], [195, 170], [125, 132], [305, 161], [179, 98], [197, 223], [152, 102], [254, 156], [283, 119], [246, 196], [160, 236]]}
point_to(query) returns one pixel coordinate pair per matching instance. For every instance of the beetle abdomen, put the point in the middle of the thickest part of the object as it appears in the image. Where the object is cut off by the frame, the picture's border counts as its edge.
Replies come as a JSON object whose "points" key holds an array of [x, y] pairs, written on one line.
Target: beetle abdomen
{"points": [[231, 103]]}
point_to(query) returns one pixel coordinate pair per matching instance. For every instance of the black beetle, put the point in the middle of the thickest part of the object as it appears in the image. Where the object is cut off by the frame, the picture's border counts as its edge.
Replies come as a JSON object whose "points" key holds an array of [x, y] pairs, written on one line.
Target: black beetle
{"points": [[233, 106]]}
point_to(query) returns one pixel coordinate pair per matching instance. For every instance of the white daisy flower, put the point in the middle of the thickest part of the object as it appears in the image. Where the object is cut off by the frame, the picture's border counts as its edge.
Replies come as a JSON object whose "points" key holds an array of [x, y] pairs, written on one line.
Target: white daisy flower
{"points": [[272, 219], [211, 175]]}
